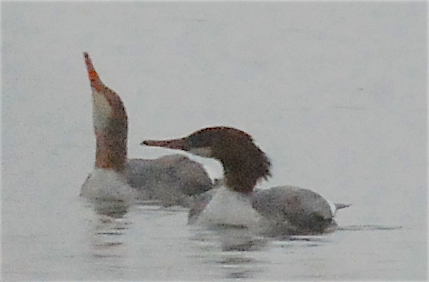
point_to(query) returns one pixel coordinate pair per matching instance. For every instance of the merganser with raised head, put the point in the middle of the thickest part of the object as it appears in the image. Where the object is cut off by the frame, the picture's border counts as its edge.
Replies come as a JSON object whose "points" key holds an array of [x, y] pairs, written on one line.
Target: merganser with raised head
{"points": [[168, 180], [284, 209]]}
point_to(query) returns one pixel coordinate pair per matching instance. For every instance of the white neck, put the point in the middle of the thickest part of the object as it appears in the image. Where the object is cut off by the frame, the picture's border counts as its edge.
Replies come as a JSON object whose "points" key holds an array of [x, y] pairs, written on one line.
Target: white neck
{"points": [[102, 111]]}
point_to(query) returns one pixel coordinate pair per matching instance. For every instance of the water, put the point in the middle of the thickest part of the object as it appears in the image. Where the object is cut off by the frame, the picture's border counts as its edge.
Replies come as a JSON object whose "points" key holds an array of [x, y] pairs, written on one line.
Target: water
{"points": [[334, 93]]}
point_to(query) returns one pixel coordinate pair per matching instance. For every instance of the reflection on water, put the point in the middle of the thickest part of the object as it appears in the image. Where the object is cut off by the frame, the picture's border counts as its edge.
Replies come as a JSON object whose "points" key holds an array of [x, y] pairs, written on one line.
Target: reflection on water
{"points": [[107, 249], [110, 208], [106, 236], [223, 251], [367, 227], [230, 238], [230, 249]]}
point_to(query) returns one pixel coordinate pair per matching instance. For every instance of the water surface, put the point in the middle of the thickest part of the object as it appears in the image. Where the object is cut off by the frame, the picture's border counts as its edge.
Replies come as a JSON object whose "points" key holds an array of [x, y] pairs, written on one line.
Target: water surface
{"points": [[335, 93]]}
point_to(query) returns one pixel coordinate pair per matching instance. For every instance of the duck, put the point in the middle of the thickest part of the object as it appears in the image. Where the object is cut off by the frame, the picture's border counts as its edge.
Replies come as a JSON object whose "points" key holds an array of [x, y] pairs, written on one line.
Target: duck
{"points": [[168, 180], [235, 200]]}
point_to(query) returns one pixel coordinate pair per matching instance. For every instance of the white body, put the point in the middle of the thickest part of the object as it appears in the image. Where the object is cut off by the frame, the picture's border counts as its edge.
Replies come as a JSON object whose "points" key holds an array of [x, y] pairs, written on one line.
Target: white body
{"points": [[280, 210], [229, 208], [103, 184]]}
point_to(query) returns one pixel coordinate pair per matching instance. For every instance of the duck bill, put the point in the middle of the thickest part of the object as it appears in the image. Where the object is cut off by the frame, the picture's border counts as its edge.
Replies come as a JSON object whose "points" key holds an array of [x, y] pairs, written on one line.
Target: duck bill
{"points": [[178, 144], [96, 83]]}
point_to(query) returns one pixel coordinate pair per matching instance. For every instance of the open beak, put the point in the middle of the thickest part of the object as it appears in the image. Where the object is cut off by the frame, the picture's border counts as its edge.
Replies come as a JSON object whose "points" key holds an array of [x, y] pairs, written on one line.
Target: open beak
{"points": [[178, 144]]}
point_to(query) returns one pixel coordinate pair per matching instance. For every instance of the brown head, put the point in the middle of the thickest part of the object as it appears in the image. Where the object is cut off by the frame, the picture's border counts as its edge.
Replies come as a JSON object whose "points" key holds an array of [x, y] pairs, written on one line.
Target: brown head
{"points": [[110, 123], [243, 162]]}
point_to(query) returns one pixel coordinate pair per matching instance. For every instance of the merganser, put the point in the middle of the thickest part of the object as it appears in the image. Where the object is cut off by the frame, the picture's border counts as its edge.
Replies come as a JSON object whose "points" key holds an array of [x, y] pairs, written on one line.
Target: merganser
{"points": [[284, 209], [169, 179]]}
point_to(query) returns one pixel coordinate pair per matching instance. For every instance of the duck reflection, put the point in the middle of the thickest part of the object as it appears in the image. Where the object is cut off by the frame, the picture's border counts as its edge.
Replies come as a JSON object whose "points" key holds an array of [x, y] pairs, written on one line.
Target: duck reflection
{"points": [[111, 208], [229, 248], [108, 225]]}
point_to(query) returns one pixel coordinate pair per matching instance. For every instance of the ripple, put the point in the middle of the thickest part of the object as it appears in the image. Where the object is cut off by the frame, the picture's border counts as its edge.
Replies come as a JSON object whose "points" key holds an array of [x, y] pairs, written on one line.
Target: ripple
{"points": [[367, 228]]}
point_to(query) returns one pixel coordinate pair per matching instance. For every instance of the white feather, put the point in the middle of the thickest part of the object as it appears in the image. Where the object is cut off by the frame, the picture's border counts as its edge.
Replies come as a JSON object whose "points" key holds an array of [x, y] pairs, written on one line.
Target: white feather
{"points": [[103, 184], [102, 110], [333, 207], [229, 208]]}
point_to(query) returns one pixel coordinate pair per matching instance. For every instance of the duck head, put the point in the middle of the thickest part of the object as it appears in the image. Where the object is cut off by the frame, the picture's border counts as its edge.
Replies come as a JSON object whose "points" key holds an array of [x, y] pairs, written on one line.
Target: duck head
{"points": [[110, 123], [244, 163]]}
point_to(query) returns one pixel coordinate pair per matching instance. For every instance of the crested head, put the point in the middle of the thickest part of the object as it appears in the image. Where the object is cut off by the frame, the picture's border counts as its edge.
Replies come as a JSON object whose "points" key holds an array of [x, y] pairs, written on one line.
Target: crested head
{"points": [[110, 123], [243, 161]]}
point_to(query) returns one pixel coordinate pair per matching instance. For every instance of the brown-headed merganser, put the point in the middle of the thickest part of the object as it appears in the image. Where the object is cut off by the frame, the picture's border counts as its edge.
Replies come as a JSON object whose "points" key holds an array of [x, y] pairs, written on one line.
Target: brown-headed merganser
{"points": [[284, 209], [168, 180]]}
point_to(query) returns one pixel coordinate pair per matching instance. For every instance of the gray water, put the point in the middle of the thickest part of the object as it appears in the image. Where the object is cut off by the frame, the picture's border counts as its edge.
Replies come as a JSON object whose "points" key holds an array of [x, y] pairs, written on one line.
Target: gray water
{"points": [[335, 93]]}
